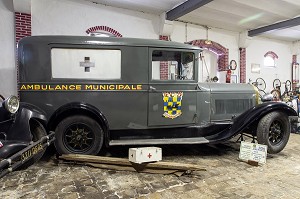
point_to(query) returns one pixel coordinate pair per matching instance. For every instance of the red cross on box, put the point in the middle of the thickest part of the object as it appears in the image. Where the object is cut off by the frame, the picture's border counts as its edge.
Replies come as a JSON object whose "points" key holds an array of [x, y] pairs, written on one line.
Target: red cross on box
{"points": [[144, 154]]}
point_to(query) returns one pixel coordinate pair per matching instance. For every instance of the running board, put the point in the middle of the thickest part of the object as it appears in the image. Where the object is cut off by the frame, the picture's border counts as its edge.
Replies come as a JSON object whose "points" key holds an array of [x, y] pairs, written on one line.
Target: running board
{"points": [[196, 140]]}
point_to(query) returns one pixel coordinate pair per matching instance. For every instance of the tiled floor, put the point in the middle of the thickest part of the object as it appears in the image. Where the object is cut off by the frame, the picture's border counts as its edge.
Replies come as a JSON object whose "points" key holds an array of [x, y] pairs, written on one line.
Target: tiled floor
{"points": [[226, 176]]}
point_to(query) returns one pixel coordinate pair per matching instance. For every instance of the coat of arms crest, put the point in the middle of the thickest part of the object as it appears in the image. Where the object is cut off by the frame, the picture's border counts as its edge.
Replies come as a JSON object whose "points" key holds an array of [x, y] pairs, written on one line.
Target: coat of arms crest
{"points": [[172, 104]]}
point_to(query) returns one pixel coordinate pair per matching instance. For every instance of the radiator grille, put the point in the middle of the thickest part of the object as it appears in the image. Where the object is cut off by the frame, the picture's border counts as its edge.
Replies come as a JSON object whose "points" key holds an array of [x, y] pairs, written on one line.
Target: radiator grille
{"points": [[230, 106]]}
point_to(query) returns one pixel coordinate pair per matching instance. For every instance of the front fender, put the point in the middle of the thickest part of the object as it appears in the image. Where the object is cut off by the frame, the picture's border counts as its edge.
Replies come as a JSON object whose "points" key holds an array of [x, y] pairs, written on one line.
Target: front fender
{"points": [[253, 115], [250, 119], [20, 127]]}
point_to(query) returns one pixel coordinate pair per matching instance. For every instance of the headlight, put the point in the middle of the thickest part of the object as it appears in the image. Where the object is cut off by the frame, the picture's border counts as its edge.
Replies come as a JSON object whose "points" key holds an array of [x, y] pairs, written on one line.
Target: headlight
{"points": [[11, 104]]}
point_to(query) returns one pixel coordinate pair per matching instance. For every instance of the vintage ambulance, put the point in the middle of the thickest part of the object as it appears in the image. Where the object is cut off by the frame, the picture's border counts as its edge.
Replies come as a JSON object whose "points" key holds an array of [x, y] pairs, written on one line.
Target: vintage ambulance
{"points": [[106, 91]]}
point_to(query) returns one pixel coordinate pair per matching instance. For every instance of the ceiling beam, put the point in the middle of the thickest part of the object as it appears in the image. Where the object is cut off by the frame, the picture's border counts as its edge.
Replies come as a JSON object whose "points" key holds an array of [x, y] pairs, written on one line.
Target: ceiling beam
{"points": [[185, 8], [276, 26]]}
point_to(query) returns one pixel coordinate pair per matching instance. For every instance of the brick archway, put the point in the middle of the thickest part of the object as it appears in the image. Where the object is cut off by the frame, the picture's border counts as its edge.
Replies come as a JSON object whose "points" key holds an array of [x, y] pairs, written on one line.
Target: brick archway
{"points": [[105, 29], [216, 48]]}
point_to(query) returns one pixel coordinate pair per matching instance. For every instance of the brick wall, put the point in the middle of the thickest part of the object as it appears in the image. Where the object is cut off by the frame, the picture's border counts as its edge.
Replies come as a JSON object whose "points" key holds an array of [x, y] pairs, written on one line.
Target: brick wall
{"points": [[217, 48], [164, 70], [272, 54], [242, 65], [22, 25], [105, 29], [294, 59], [164, 66], [294, 68], [23, 29]]}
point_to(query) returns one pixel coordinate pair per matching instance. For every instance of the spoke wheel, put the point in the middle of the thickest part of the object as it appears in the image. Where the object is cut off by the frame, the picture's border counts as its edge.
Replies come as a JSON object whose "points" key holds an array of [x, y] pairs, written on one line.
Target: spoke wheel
{"points": [[276, 83], [288, 85], [78, 134], [78, 137], [261, 84], [273, 130]]}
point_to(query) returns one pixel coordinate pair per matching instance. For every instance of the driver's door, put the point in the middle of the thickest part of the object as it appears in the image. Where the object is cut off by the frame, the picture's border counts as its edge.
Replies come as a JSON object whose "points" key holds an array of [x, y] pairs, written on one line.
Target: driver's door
{"points": [[172, 88]]}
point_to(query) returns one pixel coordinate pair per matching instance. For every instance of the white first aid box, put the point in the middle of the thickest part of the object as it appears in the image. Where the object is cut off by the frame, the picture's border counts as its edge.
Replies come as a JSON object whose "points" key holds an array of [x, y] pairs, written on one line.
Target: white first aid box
{"points": [[145, 154]]}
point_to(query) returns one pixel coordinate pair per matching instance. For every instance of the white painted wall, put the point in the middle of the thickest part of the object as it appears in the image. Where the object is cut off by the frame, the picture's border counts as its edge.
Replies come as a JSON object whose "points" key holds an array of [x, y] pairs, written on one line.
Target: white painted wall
{"points": [[70, 17], [187, 32], [8, 77], [74, 17], [255, 54]]}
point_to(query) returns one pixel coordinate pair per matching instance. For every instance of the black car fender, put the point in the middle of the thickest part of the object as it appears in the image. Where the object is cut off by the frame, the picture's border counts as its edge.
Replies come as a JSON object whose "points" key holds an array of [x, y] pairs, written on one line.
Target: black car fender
{"points": [[253, 115], [83, 109], [20, 126], [16, 133], [250, 118]]}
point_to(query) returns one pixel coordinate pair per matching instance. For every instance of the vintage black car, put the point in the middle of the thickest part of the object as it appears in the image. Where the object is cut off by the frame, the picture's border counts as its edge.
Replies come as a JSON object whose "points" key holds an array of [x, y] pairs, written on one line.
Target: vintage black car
{"points": [[23, 137], [126, 91]]}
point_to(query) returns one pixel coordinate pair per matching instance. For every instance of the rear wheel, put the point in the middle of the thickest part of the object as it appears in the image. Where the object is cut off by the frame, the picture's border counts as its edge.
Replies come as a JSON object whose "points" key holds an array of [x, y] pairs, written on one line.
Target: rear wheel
{"points": [[78, 134], [274, 131]]}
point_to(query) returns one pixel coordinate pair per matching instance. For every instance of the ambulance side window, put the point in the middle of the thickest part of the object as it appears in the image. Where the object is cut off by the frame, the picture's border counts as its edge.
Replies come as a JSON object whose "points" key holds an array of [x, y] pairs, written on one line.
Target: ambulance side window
{"points": [[100, 64], [172, 65]]}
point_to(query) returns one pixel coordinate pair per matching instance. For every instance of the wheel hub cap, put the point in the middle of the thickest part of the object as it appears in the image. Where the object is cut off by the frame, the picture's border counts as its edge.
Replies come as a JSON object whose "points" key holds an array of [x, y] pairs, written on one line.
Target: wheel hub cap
{"points": [[275, 134], [79, 138]]}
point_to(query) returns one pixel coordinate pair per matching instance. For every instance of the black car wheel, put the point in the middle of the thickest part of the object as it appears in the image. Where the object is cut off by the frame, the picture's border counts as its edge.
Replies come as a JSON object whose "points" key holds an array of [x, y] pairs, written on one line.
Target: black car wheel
{"points": [[78, 134], [274, 131]]}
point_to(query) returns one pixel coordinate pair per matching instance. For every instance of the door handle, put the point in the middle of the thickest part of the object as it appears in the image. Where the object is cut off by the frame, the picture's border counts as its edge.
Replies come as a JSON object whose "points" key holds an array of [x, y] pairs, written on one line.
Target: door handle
{"points": [[152, 89]]}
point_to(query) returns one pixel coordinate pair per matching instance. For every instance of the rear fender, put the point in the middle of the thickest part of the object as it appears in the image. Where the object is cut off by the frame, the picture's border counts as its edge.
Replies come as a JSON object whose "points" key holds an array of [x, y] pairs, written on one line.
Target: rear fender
{"points": [[83, 109]]}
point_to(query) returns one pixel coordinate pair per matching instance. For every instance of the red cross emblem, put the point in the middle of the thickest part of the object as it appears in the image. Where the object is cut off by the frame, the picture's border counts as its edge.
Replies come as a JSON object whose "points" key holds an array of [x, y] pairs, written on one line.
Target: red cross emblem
{"points": [[149, 155]]}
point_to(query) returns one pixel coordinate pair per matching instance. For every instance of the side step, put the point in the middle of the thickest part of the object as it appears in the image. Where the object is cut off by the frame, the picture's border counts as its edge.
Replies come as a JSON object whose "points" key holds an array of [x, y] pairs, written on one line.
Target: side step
{"points": [[195, 140]]}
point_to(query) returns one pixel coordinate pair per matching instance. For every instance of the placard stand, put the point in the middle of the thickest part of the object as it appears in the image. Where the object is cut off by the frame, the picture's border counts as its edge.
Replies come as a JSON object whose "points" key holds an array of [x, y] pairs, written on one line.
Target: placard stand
{"points": [[253, 152]]}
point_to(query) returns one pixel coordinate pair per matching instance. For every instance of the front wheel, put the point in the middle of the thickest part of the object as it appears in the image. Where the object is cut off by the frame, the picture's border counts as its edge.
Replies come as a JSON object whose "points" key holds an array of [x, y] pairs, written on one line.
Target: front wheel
{"points": [[78, 134], [274, 131]]}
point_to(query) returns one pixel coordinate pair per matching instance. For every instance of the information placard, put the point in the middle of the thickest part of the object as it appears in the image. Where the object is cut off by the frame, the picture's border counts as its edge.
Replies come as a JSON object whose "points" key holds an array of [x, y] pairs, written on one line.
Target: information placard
{"points": [[253, 151]]}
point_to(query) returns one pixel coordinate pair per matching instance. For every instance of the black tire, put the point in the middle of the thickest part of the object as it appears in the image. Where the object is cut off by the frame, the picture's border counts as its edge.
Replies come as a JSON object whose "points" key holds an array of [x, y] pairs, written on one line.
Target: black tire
{"points": [[274, 130], [38, 131], [288, 86], [261, 84], [78, 134], [276, 83]]}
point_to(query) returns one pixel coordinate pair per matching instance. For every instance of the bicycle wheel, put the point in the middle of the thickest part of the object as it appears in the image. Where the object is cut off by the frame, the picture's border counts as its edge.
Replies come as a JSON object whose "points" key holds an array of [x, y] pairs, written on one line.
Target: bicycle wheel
{"points": [[288, 85], [261, 84], [276, 95], [276, 83]]}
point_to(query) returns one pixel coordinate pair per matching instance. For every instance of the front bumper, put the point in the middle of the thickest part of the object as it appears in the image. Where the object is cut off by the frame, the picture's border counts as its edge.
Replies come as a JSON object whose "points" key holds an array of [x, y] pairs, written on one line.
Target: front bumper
{"points": [[23, 152]]}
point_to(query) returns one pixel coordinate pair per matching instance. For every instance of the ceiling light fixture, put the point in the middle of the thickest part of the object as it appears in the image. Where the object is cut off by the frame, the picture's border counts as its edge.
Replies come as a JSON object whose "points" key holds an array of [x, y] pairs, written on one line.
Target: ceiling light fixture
{"points": [[207, 41]]}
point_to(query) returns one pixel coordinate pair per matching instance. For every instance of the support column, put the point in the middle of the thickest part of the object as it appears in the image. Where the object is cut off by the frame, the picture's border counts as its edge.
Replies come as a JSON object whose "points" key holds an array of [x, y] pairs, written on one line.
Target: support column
{"points": [[164, 67], [22, 25], [242, 65], [23, 29], [295, 69]]}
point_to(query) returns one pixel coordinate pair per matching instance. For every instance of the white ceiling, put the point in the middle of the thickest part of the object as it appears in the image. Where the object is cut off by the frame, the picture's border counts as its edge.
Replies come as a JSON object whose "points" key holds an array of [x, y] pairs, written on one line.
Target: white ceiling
{"points": [[234, 15]]}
